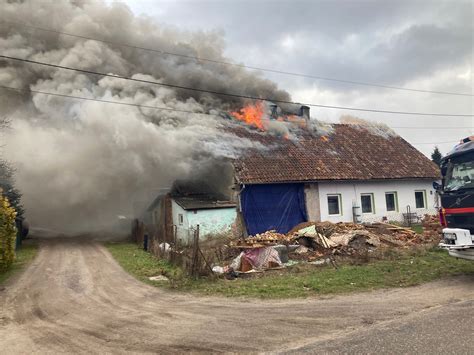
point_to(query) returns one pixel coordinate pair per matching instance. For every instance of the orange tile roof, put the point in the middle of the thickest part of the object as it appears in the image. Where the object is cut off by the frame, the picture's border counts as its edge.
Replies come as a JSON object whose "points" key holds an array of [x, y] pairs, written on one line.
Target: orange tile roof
{"points": [[349, 152]]}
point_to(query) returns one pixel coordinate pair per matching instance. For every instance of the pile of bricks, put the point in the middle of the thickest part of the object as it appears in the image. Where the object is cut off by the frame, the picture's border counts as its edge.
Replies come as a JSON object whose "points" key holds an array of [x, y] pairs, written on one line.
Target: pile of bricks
{"points": [[432, 229]]}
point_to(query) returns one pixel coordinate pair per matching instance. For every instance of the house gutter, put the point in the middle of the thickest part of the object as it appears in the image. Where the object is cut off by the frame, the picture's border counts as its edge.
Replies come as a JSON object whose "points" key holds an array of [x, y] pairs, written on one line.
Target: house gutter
{"points": [[336, 180]]}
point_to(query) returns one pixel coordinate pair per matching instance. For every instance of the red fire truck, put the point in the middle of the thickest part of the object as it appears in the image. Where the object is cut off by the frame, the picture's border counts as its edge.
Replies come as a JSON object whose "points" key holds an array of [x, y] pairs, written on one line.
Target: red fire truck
{"points": [[457, 200]]}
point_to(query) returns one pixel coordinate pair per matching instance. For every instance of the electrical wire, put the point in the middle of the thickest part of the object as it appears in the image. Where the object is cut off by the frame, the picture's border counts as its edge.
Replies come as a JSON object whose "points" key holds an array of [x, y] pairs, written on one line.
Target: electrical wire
{"points": [[152, 107], [241, 96], [437, 142], [101, 100], [269, 70], [428, 128]]}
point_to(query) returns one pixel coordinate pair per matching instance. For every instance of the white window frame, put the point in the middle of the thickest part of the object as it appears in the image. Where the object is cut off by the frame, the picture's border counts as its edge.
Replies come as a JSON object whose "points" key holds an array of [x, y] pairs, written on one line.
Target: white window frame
{"points": [[339, 201], [394, 193], [372, 203], [425, 200], [180, 219]]}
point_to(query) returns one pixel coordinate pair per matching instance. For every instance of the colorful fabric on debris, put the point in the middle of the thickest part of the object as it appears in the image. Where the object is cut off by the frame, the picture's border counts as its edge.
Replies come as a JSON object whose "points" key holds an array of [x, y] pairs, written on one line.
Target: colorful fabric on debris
{"points": [[261, 258], [277, 207]]}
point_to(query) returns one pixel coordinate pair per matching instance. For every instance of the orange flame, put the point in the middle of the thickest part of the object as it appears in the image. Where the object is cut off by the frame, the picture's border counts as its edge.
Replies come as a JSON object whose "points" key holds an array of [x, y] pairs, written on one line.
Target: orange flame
{"points": [[251, 115]]}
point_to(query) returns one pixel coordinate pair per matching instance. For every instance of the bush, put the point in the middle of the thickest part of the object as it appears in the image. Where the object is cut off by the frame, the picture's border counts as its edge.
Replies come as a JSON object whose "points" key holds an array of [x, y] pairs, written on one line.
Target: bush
{"points": [[7, 233]]}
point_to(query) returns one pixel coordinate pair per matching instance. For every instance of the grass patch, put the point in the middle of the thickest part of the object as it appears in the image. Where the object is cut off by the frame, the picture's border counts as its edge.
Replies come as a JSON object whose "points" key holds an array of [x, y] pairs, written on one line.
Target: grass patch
{"points": [[418, 228], [141, 264], [23, 256], [395, 270]]}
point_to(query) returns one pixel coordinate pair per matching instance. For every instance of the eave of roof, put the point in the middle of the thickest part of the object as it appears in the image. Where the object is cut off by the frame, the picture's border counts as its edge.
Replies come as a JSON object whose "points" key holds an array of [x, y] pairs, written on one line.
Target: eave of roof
{"points": [[337, 180], [199, 203]]}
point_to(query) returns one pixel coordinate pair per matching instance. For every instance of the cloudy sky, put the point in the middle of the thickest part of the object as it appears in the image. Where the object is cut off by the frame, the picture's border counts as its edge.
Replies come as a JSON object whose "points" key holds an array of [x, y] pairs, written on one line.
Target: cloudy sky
{"points": [[424, 45]]}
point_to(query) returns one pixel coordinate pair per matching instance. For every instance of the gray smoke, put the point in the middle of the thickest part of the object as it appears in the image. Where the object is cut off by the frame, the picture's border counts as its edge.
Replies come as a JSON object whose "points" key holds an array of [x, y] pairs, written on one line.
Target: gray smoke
{"points": [[80, 163]]}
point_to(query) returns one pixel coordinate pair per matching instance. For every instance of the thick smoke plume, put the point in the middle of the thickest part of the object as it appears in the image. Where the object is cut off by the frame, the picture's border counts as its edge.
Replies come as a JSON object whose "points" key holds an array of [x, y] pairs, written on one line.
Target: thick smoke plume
{"points": [[80, 163]]}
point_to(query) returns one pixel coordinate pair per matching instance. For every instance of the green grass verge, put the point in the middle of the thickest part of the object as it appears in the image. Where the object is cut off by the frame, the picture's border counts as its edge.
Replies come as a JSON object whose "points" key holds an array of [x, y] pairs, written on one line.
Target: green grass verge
{"points": [[23, 256], [141, 264], [397, 270]]}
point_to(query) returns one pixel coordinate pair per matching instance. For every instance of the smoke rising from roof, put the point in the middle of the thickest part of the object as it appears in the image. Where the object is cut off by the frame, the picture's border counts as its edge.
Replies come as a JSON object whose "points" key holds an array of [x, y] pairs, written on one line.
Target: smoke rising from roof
{"points": [[80, 163], [377, 128]]}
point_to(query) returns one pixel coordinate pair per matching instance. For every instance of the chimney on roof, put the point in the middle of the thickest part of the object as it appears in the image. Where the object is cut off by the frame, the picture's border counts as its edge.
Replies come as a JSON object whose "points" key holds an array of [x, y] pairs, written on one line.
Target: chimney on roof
{"points": [[273, 112], [304, 112]]}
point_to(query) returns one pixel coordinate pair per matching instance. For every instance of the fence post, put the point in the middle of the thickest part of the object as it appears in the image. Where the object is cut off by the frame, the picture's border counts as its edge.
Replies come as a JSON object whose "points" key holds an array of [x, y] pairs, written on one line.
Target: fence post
{"points": [[194, 266]]}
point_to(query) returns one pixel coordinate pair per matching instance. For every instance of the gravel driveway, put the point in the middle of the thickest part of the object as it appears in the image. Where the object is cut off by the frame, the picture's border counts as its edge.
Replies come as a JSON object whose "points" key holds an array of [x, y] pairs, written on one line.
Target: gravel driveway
{"points": [[75, 298]]}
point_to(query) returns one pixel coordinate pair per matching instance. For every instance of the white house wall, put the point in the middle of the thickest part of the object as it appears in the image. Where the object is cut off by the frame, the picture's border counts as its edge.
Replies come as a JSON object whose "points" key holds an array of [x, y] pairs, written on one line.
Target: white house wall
{"points": [[351, 194]]}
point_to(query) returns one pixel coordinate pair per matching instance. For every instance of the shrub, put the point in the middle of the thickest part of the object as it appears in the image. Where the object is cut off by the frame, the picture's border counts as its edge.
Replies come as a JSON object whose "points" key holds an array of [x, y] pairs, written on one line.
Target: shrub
{"points": [[7, 233]]}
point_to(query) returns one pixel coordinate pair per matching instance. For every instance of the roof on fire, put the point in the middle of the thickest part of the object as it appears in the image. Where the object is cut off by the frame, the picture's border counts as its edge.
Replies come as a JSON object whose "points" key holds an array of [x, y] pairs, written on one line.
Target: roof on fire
{"points": [[349, 152]]}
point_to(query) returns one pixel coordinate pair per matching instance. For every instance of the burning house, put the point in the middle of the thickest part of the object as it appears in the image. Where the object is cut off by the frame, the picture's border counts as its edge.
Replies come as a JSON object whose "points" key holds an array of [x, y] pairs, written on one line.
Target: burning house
{"points": [[302, 170], [354, 172]]}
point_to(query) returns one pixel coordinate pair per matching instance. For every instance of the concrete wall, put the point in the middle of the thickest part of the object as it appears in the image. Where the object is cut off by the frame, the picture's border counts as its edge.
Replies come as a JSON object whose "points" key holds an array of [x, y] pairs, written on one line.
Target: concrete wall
{"points": [[182, 229], [212, 221], [351, 194], [313, 208]]}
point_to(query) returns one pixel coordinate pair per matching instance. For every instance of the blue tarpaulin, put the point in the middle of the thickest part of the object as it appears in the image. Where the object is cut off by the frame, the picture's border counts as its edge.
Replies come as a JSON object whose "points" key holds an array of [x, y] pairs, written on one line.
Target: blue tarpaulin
{"points": [[273, 206]]}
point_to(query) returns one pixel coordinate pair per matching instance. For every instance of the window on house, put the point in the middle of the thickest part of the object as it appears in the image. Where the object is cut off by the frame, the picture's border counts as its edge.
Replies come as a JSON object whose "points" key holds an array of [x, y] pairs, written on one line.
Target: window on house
{"points": [[334, 205], [391, 201], [420, 199], [367, 202], [180, 219]]}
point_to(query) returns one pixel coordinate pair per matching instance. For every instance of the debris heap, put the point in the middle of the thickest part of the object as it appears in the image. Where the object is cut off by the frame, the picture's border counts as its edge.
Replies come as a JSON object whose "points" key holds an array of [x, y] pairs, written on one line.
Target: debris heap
{"points": [[406, 236], [320, 241], [432, 229], [269, 238]]}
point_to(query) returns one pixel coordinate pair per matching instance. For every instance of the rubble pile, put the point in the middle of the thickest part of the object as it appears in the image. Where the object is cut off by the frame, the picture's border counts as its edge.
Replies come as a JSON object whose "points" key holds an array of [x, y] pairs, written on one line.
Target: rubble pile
{"points": [[327, 228], [315, 241], [326, 238], [269, 238], [406, 236], [432, 229], [350, 239]]}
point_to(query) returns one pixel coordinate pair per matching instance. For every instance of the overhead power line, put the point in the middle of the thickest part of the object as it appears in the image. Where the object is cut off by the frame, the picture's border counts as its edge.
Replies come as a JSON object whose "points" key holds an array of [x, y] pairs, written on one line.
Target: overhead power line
{"points": [[269, 70], [452, 142], [157, 107], [428, 127], [241, 96], [101, 100]]}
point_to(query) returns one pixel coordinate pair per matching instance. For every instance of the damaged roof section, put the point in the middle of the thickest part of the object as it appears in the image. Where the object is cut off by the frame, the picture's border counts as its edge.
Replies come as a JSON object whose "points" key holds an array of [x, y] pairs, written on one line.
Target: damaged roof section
{"points": [[348, 152], [198, 195], [202, 202]]}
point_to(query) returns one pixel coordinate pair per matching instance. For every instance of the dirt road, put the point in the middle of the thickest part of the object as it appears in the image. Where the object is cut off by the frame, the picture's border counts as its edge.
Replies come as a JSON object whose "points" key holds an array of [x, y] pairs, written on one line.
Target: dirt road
{"points": [[75, 298]]}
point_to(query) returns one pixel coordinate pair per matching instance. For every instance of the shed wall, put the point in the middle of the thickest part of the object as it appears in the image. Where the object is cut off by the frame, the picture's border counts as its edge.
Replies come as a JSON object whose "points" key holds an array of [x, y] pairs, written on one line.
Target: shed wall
{"points": [[212, 221], [182, 229]]}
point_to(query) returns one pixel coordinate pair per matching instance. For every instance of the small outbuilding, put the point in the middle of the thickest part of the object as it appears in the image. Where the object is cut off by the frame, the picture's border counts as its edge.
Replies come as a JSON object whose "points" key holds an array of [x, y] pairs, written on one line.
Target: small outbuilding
{"points": [[174, 216]]}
